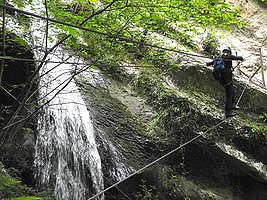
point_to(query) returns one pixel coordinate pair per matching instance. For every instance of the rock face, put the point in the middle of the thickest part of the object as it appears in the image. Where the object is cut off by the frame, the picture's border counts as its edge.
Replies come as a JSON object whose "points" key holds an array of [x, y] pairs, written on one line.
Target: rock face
{"points": [[141, 118], [229, 162], [17, 143], [16, 73], [122, 144]]}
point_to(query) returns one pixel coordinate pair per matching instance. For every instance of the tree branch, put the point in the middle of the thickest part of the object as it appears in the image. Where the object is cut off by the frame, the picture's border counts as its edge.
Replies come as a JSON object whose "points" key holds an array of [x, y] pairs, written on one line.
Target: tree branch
{"points": [[4, 42], [30, 85]]}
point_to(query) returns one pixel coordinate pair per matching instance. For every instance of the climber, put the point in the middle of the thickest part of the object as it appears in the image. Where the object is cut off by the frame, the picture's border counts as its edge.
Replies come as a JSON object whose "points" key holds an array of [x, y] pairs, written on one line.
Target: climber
{"points": [[226, 80]]}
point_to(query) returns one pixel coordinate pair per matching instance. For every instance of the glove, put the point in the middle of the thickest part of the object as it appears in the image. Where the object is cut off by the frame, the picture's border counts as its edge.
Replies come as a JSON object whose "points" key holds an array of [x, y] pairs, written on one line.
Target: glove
{"points": [[209, 63]]}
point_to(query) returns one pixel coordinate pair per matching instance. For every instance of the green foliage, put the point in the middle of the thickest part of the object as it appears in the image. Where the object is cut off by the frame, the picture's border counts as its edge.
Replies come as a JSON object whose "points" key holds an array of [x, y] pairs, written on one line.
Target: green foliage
{"points": [[264, 117], [210, 45], [7, 181], [21, 42], [28, 198], [157, 14], [257, 126], [147, 192], [11, 187], [173, 19], [20, 3]]}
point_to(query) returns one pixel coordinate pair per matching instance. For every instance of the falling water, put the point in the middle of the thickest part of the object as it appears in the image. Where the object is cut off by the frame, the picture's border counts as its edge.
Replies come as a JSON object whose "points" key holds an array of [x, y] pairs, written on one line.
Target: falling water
{"points": [[66, 152], [66, 159], [117, 170]]}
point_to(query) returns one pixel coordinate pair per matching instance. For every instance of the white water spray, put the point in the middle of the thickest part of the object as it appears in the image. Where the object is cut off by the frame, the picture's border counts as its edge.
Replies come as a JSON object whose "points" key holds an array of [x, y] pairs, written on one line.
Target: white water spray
{"points": [[66, 159], [66, 151]]}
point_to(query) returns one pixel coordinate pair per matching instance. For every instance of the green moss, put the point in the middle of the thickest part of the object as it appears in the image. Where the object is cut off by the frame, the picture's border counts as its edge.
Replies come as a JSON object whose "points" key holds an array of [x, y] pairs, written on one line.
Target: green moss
{"points": [[175, 115], [13, 188], [256, 126], [28, 198], [7, 181], [147, 192], [263, 117], [151, 85]]}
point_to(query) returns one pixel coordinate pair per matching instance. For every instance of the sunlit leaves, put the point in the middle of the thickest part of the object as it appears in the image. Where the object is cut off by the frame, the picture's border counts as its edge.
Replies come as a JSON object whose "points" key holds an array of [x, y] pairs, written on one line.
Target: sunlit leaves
{"points": [[158, 15], [132, 18], [19, 3]]}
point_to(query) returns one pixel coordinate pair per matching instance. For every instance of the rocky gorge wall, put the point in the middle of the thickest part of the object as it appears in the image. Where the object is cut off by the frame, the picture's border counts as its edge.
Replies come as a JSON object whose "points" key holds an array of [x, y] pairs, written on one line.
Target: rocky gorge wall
{"points": [[201, 170], [17, 142], [144, 117]]}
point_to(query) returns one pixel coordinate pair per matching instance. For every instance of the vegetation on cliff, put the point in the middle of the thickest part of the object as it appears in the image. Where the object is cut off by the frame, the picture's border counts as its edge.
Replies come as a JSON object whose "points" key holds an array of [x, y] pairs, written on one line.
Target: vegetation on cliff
{"points": [[123, 39]]}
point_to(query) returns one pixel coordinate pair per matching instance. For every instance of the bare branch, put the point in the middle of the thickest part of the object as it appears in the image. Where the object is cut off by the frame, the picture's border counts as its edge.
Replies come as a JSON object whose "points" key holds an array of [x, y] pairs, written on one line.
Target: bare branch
{"points": [[7, 92], [30, 85], [4, 42], [46, 27]]}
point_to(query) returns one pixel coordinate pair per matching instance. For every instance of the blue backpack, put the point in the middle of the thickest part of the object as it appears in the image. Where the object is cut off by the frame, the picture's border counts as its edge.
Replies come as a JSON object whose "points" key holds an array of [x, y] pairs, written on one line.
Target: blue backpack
{"points": [[218, 68]]}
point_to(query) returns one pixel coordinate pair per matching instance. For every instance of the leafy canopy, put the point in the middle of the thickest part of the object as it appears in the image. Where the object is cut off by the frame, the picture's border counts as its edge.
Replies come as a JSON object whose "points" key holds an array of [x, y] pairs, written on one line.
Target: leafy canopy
{"points": [[134, 19]]}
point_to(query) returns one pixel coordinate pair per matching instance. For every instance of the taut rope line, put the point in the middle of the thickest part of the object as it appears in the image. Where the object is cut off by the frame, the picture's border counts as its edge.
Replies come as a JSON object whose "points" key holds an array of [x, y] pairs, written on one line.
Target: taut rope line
{"points": [[157, 160]]}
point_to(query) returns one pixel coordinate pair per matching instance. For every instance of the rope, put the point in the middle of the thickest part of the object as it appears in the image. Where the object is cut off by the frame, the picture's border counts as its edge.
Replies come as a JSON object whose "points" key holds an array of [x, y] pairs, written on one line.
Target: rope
{"points": [[246, 86], [240, 97], [72, 63], [140, 43], [157, 160]]}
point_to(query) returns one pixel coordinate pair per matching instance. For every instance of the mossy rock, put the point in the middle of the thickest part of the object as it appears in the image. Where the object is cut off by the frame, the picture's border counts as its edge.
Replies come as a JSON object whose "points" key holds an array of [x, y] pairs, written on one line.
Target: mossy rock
{"points": [[17, 143], [16, 73], [12, 187], [28, 198]]}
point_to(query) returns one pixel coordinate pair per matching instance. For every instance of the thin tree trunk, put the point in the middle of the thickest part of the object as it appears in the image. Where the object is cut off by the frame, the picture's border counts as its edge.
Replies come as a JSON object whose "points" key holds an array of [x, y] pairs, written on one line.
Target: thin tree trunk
{"points": [[29, 86], [4, 42]]}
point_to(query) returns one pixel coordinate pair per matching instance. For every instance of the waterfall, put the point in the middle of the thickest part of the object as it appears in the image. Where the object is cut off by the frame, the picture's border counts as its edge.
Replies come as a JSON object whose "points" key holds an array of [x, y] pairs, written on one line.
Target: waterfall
{"points": [[66, 151], [67, 161], [114, 164]]}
